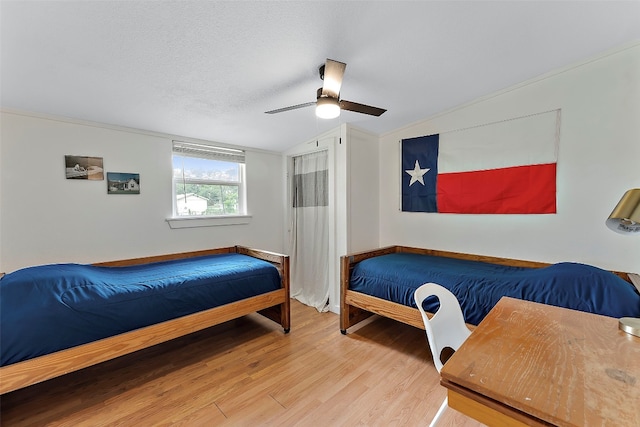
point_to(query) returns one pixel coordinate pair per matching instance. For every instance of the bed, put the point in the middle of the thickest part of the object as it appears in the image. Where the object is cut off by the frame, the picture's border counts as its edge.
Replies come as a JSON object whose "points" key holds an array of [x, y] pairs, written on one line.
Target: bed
{"points": [[59, 318], [382, 281]]}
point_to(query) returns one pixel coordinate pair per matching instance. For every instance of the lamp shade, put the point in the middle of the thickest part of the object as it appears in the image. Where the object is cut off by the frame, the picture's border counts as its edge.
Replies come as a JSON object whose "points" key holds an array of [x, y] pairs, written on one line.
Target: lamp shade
{"points": [[625, 218], [327, 107]]}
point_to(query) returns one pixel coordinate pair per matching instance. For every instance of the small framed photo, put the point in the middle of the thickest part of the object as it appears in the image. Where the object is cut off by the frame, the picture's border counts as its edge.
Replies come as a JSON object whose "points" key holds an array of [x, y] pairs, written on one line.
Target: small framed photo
{"points": [[123, 183], [84, 167]]}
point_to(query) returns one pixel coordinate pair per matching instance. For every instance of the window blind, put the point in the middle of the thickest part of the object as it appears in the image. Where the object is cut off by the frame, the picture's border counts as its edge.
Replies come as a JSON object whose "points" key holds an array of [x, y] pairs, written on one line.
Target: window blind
{"points": [[206, 151]]}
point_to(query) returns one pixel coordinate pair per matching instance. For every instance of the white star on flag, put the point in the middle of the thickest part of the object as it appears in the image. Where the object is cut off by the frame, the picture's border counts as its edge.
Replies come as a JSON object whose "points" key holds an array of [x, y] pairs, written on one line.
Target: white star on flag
{"points": [[416, 174]]}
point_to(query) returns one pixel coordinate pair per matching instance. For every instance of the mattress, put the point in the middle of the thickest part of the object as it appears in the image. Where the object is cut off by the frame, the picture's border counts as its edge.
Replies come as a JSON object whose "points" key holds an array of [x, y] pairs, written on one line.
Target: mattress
{"points": [[479, 285], [48, 308]]}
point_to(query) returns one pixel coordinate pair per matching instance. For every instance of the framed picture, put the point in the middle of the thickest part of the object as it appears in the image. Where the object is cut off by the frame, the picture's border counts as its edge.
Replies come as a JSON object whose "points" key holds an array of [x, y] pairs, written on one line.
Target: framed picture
{"points": [[84, 167], [123, 183]]}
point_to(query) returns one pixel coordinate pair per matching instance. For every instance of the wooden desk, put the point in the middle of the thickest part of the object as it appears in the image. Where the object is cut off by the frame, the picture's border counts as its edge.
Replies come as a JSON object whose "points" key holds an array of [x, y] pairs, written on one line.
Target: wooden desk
{"points": [[534, 364]]}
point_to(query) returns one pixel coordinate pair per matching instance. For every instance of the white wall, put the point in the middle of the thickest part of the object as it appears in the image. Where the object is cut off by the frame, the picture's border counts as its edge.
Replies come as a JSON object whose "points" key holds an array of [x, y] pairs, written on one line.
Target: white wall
{"points": [[1, 186], [362, 191], [47, 218], [599, 159]]}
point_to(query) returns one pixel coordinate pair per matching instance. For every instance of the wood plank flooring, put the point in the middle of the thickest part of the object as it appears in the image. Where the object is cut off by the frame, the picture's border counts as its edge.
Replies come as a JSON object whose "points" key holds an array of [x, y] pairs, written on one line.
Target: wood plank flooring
{"points": [[247, 372]]}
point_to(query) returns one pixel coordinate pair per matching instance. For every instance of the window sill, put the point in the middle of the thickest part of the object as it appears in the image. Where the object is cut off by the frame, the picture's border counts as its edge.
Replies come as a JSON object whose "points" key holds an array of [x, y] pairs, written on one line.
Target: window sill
{"points": [[193, 221]]}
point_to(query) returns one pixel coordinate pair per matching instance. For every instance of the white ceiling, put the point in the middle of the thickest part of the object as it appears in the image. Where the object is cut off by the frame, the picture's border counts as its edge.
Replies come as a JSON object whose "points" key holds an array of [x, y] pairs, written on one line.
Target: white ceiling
{"points": [[210, 69]]}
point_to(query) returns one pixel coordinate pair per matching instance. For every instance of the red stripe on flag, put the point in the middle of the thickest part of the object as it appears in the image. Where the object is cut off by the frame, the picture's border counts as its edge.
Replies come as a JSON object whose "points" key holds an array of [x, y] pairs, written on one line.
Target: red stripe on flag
{"points": [[516, 190]]}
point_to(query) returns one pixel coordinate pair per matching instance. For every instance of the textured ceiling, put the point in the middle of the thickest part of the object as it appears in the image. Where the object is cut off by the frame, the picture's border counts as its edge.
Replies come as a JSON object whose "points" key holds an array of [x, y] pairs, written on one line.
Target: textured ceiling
{"points": [[210, 69]]}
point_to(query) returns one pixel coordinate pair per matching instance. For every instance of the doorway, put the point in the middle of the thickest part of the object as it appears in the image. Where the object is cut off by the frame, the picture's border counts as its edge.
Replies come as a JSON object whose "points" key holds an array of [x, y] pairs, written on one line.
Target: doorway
{"points": [[309, 238]]}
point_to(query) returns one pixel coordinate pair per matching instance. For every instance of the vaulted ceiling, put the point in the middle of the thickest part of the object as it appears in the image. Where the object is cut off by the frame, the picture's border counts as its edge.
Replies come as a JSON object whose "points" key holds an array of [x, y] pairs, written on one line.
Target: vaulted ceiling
{"points": [[210, 69]]}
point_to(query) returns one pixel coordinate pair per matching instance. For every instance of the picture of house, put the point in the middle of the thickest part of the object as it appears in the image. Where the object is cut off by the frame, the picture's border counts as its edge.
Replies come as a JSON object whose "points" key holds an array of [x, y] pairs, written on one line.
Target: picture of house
{"points": [[123, 183]]}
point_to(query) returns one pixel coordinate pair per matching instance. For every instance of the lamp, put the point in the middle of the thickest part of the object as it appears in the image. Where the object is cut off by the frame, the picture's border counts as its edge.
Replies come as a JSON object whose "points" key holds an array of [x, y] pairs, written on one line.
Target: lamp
{"points": [[327, 107], [625, 219]]}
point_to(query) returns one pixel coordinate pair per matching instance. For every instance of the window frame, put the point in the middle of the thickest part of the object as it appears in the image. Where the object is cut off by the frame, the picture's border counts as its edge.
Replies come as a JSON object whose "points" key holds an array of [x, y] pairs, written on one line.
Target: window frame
{"points": [[208, 152]]}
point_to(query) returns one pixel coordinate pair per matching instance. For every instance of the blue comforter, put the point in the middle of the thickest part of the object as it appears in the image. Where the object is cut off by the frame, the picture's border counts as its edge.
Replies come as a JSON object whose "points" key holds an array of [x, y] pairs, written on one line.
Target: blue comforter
{"points": [[478, 285], [52, 307]]}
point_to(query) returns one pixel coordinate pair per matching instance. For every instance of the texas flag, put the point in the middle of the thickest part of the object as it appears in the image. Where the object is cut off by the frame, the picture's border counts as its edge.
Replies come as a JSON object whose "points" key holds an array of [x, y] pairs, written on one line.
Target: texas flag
{"points": [[502, 168]]}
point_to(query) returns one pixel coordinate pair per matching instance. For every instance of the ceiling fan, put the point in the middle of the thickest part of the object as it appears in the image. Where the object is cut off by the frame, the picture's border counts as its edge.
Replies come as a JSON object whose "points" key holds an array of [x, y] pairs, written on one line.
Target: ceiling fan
{"points": [[328, 103]]}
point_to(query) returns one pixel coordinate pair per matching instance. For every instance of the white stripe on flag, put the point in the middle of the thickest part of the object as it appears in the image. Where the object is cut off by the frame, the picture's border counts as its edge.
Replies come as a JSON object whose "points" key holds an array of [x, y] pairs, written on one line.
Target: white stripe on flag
{"points": [[523, 141]]}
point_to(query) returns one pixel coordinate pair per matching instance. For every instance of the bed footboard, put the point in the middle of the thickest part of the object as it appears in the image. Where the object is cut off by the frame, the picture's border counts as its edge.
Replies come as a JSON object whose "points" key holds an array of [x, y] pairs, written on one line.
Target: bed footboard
{"points": [[278, 313], [356, 307]]}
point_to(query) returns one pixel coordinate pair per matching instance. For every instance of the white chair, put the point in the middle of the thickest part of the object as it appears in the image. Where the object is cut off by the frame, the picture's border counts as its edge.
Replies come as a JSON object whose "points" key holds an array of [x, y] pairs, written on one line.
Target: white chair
{"points": [[445, 330]]}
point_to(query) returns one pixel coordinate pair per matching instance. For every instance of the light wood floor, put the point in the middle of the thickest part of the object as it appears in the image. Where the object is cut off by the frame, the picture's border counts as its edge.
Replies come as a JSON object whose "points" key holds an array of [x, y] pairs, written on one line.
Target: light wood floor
{"points": [[247, 372]]}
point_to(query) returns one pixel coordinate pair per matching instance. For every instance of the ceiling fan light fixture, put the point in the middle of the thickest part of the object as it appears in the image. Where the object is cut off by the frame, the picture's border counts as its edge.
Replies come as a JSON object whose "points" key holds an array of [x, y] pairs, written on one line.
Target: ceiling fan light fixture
{"points": [[327, 107]]}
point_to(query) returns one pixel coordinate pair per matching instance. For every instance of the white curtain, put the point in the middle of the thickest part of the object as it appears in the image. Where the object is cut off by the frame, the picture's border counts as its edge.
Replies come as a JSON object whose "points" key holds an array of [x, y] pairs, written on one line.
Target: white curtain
{"points": [[309, 239]]}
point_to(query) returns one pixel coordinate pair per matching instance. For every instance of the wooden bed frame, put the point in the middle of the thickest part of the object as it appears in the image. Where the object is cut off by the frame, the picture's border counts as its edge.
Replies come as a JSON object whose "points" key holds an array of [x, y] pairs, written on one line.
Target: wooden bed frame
{"points": [[356, 307], [274, 305]]}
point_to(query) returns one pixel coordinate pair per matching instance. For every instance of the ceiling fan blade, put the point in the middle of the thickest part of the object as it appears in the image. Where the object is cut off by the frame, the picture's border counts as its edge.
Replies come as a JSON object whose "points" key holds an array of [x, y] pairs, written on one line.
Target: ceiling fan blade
{"points": [[293, 107], [361, 108], [333, 73]]}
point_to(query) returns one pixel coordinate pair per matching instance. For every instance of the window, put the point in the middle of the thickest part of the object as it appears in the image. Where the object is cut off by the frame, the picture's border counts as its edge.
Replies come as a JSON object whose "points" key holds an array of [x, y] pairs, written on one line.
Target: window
{"points": [[207, 180]]}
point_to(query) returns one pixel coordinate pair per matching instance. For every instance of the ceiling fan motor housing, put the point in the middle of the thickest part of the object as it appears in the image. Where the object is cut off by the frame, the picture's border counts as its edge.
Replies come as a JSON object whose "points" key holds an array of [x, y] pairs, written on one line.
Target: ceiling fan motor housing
{"points": [[319, 94]]}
